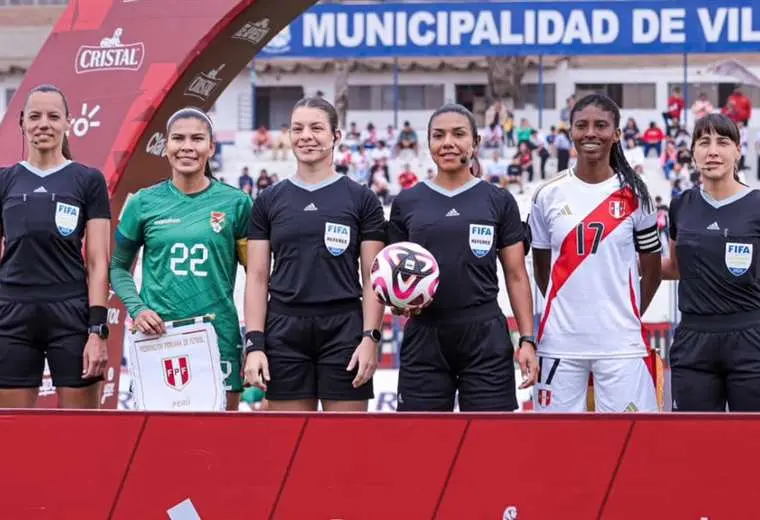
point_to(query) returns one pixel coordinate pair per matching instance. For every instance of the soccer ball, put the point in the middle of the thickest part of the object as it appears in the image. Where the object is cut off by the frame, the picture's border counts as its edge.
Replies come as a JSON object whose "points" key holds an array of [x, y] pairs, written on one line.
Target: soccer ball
{"points": [[404, 274]]}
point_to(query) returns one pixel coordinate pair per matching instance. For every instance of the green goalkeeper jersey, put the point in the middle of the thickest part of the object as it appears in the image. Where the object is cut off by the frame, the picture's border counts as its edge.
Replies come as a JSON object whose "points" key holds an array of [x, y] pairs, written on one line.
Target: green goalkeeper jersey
{"points": [[190, 245]]}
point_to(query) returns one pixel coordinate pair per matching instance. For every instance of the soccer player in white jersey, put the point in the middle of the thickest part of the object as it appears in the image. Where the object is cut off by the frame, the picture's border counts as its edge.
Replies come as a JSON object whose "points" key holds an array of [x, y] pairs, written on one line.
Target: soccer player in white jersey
{"points": [[596, 257]]}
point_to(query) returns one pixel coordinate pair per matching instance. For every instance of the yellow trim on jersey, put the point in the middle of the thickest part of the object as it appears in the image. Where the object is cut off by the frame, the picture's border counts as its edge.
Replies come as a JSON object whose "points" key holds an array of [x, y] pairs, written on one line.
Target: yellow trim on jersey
{"points": [[242, 251], [561, 175]]}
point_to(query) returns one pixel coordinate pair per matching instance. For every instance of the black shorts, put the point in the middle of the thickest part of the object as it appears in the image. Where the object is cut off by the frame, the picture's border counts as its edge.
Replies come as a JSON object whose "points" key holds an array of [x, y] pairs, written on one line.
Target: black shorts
{"points": [[712, 369], [308, 354], [471, 355], [31, 332]]}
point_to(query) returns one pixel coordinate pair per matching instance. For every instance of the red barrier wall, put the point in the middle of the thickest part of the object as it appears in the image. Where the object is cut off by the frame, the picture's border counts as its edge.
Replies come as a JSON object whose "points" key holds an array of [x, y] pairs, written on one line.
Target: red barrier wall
{"points": [[115, 465]]}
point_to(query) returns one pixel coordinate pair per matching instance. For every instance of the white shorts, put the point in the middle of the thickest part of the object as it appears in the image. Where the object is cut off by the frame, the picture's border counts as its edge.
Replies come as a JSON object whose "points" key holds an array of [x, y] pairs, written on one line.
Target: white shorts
{"points": [[620, 385]]}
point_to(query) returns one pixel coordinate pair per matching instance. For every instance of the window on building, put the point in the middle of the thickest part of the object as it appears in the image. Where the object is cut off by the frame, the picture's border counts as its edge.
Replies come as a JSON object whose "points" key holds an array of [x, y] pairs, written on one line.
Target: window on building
{"points": [[530, 95], [626, 95], [381, 97]]}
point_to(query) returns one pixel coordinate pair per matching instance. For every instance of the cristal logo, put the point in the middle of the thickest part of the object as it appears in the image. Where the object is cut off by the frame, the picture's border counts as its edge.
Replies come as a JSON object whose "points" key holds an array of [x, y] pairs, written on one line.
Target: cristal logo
{"points": [[110, 54], [156, 145], [204, 84]]}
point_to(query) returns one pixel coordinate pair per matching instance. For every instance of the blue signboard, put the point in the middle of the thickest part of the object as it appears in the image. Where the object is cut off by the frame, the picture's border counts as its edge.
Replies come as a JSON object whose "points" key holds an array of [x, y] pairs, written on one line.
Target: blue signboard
{"points": [[520, 28]]}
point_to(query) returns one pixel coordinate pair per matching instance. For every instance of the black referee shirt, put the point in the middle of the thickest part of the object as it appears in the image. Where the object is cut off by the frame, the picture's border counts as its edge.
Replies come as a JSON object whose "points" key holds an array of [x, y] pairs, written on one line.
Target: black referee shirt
{"points": [[717, 244], [315, 232], [464, 229], [44, 214]]}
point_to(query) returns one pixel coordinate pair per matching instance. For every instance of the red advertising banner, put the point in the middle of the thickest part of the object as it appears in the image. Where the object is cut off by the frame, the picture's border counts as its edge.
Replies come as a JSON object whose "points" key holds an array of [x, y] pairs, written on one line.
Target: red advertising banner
{"points": [[127, 465]]}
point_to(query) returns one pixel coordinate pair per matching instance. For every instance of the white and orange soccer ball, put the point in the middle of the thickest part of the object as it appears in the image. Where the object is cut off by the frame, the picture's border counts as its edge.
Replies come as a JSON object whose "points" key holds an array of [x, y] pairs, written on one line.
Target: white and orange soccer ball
{"points": [[405, 275]]}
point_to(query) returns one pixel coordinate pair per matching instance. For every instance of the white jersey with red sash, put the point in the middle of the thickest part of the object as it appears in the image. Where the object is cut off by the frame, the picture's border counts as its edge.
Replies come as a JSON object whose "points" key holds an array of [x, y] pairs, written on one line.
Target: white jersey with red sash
{"points": [[594, 232]]}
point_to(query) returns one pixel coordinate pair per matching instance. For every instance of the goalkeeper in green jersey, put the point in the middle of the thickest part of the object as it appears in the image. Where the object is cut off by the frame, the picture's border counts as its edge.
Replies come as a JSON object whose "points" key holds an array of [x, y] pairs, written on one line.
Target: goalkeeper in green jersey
{"points": [[193, 230]]}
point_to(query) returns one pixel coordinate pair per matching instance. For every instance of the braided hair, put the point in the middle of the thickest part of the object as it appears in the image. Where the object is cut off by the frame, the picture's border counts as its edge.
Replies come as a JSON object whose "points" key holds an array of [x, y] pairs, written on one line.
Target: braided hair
{"points": [[625, 173]]}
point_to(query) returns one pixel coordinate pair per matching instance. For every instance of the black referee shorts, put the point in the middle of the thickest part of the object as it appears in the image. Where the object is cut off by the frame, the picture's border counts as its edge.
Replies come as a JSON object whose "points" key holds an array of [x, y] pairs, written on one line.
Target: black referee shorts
{"points": [[470, 352], [308, 350], [32, 331], [714, 362]]}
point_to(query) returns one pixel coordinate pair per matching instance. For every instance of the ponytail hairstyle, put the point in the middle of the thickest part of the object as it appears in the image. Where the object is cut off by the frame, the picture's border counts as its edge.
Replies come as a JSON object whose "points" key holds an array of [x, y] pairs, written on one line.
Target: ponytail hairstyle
{"points": [[717, 124], [46, 87], [454, 108], [619, 164], [200, 115]]}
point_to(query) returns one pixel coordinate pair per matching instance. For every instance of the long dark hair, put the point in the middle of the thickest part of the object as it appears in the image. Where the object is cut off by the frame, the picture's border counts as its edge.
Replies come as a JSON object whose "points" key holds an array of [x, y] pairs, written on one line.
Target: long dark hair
{"points": [[717, 124], [625, 173], [65, 149], [455, 108], [200, 115]]}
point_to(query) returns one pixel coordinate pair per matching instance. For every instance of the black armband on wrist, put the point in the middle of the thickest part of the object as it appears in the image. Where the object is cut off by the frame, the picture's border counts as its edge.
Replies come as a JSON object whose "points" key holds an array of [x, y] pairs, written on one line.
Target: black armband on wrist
{"points": [[98, 315], [255, 341]]}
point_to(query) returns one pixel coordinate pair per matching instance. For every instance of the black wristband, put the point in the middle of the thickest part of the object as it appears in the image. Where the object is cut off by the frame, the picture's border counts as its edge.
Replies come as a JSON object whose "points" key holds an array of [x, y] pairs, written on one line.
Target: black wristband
{"points": [[255, 341], [98, 315]]}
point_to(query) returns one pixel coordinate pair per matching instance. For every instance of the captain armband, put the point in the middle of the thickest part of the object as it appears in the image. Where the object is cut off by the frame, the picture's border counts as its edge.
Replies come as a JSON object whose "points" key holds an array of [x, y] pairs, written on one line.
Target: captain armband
{"points": [[241, 247], [647, 240]]}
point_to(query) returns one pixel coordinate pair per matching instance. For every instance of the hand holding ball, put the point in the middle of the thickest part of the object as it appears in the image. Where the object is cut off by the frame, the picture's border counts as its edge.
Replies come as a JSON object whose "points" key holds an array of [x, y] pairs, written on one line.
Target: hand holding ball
{"points": [[405, 276]]}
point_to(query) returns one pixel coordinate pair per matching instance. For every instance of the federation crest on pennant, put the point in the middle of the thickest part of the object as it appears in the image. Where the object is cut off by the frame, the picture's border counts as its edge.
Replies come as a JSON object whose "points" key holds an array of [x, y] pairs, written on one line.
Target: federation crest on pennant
{"points": [[617, 209], [66, 218], [176, 372], [217, 221]]}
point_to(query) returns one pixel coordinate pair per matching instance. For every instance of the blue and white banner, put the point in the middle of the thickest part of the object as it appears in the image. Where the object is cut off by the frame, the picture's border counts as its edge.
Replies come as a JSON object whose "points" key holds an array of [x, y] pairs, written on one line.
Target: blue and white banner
{"points": [[520, 28]]}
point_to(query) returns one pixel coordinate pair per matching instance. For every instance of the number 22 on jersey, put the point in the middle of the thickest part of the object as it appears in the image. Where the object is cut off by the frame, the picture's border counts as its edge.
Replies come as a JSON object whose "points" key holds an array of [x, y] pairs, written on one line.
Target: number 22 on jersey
{"points": [[185, 260]]}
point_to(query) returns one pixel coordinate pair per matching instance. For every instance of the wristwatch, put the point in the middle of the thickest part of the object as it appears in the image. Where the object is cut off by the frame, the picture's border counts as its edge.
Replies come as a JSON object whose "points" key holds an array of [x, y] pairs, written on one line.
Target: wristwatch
{"points": [[101, 330], [526, 339], [374, 334]]}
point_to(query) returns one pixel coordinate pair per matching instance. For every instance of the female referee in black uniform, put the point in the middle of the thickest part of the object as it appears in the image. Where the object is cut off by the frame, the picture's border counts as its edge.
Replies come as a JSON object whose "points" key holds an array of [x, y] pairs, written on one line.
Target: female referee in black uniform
{"points": [[461, 341], [316, 339], [52, 301], [714, 249]]}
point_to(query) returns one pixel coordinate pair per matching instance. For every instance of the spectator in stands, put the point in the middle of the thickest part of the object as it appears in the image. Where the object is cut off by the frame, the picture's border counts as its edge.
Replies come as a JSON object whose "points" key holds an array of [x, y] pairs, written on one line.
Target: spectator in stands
{"points": [[380, 185], [525, 156], [263, 182], [281, 144], [524, 132], [676, 189], [668, 158], [682, 138], [496, 115], [757, 152], [245, 179], [563, 145], [381, 152], [539, 144], [496, 171], [274, 178], [380, 165], [389, 137], [564, 114], [515, 172], [672, 116], [343, 159], [362, 166], [407, 139], [662, 222], [261, 140], [684, 155], [370, 138], [353, 137], [509, 129], [652, 139], [631, 130], [493, 138], [702, 106], [633, 153], [738, 107], [407, 178], [430, 174], [744, 140]]}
